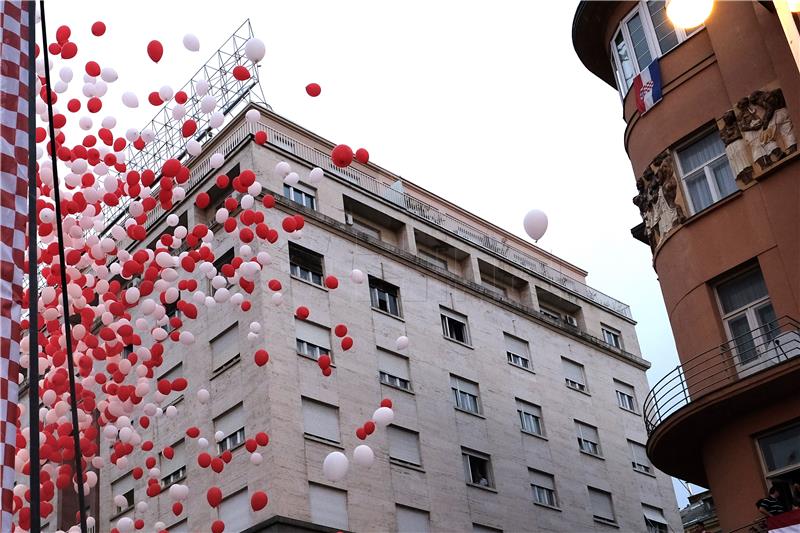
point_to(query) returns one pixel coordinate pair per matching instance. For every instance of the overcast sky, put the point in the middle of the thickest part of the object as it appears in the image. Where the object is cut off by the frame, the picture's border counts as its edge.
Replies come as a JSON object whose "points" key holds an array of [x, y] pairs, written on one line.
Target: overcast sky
{"points": [[483, 103]]}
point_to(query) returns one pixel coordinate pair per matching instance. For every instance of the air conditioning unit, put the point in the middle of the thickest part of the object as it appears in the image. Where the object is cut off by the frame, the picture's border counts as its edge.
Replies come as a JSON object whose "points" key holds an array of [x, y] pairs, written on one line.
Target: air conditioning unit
{"points": [[571, 320]]}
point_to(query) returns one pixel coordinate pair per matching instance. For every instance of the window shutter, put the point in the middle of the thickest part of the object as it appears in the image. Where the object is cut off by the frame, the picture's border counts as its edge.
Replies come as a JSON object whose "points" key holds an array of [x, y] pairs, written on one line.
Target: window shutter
{"points": [[312, 333], [542, 480], [412, 520], [225, 346], [526, 407], [235, 511], [230, 421], [573, 371], [587, 432], [393, 364], [464, 385], [404, 445], [624, 387], [517, 346], [328, 506], [654, 514], [178, 459], [122, 485], [601, 504], [453, 314], [321, 420], [639, 453]]}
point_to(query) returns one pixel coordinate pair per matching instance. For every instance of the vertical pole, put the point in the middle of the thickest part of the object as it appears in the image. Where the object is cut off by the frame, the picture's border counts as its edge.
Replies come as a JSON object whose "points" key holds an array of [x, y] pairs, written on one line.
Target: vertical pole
{"points": [[63, 275]]}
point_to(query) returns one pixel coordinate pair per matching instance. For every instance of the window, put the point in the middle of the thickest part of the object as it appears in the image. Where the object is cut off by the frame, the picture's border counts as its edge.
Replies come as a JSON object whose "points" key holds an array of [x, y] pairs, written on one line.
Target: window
{"points": [[626, 396], [231, 423], [312, 340], [173, 373], [225, 348], [328, 506], [320, 420], [747, 313], [384, 296], [477, 468], [781, 450], [495, 288], [433, 259], [123, 486], [646, 33], [530, 418], [410, 520], [302, 196], [465, 394], [478, 528], [305, 264], [588, 439], [170, 312], [393, 370], [543, 488], [219, 263], [654, 519], [612, 336], [176, 467], [404, 445], [235, 511], [454, 326], [366, 229], [706, 175], [639, 458], [517, 351], [601, 505], [574, 375]]}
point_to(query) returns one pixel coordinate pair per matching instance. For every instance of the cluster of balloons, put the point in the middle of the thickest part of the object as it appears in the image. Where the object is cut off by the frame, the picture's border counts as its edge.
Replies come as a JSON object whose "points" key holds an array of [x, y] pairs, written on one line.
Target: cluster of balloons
{"points": [[336, 464]]}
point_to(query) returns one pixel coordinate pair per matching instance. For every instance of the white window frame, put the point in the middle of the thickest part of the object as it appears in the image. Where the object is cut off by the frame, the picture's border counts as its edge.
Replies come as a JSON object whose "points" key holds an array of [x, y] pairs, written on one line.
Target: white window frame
{"points": [[611, 336], [713, 188], [446, 316], [298, 271], [572, 384], [292, 192], [394, 381], [311, 350], [467, 455], [379, 287], [587, 445], [521, 360], [463, 399], [235, 438], [542, 495], [638, 466], [529, 415], [603, 519]]}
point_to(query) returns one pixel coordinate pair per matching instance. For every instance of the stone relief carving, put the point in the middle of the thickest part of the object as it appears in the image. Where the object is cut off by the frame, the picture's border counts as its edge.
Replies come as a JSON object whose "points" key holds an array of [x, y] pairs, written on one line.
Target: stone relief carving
{"points": [[757, 133], [657, 196]]}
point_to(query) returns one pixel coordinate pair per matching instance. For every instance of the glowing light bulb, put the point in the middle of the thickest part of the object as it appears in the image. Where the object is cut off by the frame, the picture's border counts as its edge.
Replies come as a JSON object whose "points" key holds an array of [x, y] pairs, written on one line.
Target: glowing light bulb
{"points": [[688, 13]]}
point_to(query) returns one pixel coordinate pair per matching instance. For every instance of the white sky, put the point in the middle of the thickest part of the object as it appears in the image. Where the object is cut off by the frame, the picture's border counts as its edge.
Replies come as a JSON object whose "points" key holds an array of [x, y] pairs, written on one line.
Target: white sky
{"points": [[483, 103]]}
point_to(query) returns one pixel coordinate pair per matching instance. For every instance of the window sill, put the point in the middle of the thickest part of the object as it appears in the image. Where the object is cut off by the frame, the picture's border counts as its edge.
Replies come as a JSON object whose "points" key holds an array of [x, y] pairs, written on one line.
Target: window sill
{"points": [[534, 435], [482, 487], [590, 454], [521, 367], [225, 367], [406, 464], [648, 474], [551, 507], [301, 280], [306, 356], [322, 440], [387, 313], [456, 341], [395, 387], [586, 392], [473, 413], [631, 411], [165, 487], [608, 523]]}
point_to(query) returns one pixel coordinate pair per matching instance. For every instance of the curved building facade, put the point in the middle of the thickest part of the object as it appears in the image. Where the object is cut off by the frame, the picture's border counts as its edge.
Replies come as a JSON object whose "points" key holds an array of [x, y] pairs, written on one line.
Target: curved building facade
{"points": [[717, 182]]}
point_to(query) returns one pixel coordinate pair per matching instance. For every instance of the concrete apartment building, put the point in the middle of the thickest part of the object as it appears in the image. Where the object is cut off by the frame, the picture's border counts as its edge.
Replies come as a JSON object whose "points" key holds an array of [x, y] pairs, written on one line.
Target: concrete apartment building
{"points": [[517, 404], [718, 178]]}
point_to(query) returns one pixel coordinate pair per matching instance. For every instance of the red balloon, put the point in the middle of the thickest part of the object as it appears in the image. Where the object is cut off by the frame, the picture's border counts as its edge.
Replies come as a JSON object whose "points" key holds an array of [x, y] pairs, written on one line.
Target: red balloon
{"points": [[240, 73], [204, 460], [386, 402], [313, 89], [302, 312], [362, 156], [258, 500], [268, 201], [342, 156], [189, 128], [369, 427], [260, 137], [347, 343], [340, 330], [62, 34], [262, 439], [361, 434], [193, 432], [274, 285], [331, 282], [69, 50], [289, 224], [214, 496], [98, 29], [261, 357], [217, 526], [177, 508], [155, 50], [217, 465], [155, 99], [299, 221], [327, 371], [92, 68], [168, 452], [203, 200], [324, 361]]}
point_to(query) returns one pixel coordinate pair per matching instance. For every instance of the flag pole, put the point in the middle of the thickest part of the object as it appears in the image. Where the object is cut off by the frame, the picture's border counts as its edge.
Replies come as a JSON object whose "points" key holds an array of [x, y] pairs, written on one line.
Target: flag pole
{"points": [[63, 275], [33, 282]]}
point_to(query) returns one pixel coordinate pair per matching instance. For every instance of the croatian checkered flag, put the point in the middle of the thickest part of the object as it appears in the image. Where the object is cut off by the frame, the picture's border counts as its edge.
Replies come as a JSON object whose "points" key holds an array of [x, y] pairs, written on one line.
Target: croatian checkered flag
{"points": [[16, 25]]}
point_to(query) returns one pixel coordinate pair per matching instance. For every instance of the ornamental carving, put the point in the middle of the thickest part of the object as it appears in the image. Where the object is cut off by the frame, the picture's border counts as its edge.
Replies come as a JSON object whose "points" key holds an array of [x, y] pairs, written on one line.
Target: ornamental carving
{"points": [[757, 134], [657, 198]]}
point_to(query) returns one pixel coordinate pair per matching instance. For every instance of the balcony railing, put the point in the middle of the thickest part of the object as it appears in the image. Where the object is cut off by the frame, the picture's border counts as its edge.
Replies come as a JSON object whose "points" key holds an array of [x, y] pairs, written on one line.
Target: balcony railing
{"points": [[743, 356]]}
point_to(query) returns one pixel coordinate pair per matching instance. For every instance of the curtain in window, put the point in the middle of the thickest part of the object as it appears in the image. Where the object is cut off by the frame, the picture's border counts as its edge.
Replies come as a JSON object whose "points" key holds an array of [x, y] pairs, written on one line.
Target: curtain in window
{"points": [[639, 39], [699, 190], [743, 339], [624, 58], [723, 175], [393, 364], [667, 38], [741, 291], [698, 154]]}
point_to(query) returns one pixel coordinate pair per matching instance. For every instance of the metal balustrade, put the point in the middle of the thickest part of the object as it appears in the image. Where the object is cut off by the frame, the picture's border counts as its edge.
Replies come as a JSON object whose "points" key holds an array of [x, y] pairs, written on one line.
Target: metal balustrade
{"points": [[743, 356]]}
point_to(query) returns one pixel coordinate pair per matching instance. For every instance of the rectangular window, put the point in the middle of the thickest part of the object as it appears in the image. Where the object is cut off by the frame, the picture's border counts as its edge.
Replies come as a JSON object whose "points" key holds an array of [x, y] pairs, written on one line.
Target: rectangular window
{"points": [[495, 288], [320, 420], [543, 488], [312, 340], [433, 259], [588, 439], [302, 196], [235, 511], [175, 468], [454, 326], [123, 486], [366, 229], [781, 450], [626, 396], [706, 175], [305, 264], [479, 528], [219, 263], [225, 348], [231, 423], [410, 520], [477, 468], [328, 506], [384, 296], [517, 351], [574, 375], [393, 370], [639, 458], [602, 505], [747, 314], [465, 394], [654, 519], [404, 445], [530, 417], [612, 336]]}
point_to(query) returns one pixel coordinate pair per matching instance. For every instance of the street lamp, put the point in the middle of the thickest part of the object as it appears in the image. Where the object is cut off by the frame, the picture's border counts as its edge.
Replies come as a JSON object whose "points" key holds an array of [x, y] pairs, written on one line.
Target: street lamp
{"points": [[689, 13]]}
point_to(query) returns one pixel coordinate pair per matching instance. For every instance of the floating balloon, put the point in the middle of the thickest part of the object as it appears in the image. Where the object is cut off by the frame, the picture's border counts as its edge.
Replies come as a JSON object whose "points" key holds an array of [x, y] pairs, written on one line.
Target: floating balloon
{"points": [[258, 500], [342, 155], [383, 416], [363, 455], [155, 50], [362, 156], [335, 466], [255, 50], [402, 342], [313, 89], [356, 276], [191, 42], [535, 223], [130, 100], [316, 175]]}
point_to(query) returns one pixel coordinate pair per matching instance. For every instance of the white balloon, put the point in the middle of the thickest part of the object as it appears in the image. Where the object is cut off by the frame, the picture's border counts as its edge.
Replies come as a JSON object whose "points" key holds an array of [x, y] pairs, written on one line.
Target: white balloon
{"points": [[402, 342], [125, 524], [202, 442], [201, 87], [292, 179], [191, 42], [203, 396], [282, 169], [193, 147], [316, 175], [256, 458], [208, 103], [535, 223], [356, 276], [109, 74], [172, 411], [217, 119], [65, 74], [165, 93], [217, 160], [178, 112], [335, 466], [218, 436], [253, 116], [255, 50], [277, 298], [383, 416], [363, 455]]}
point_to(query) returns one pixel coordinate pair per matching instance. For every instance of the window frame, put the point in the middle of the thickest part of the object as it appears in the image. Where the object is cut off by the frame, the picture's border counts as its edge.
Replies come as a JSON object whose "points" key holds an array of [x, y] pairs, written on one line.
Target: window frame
{"points": [[619, 394], [467, 455], [302, 345], [446, 317], [539, 418], [399, 429], [298, 271], [602, 519], [580, 387], [596, 449], [547, 491], [290, 191], [716, 195], [637, 466], [377, 287], [612, 336], [511, 356], [458, 392]]}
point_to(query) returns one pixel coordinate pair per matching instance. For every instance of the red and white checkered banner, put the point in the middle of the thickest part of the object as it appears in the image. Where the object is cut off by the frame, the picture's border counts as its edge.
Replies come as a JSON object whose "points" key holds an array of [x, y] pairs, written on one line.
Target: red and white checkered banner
{"points": [[14, 109]]}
